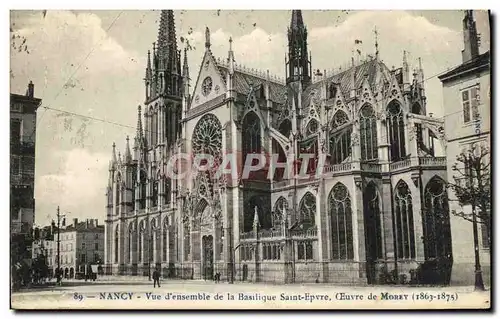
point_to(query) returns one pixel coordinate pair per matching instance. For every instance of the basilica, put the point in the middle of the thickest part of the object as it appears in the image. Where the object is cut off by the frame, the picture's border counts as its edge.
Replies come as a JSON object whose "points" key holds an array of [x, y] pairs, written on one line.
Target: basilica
{"points": [[376, 212]]}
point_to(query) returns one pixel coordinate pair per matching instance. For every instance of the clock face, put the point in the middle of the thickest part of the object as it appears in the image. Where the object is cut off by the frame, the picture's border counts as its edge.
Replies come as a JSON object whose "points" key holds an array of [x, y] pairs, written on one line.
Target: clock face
{"points": [[206, 86]]}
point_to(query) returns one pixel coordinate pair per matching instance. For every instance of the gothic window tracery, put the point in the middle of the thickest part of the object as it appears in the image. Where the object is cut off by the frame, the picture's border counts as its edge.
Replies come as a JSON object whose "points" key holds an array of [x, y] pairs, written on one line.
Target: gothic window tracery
{"points": [[340, 138], [307, 210], [154, 195], [142, 188], [118, 189], [263, 212], [405, 235], [437, 234], [167, 184], [117, 235], [141, 240], [368, 133], [251, 140], [279, 212], [396, 131], [187, 240], [373, 227], [207, 136], [285, 128], [339, 202], [312, 127]]}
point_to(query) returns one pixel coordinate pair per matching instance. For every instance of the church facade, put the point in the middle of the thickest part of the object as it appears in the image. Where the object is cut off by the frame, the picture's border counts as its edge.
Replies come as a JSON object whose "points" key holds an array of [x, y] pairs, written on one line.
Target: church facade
{"points": [[373, 208]]}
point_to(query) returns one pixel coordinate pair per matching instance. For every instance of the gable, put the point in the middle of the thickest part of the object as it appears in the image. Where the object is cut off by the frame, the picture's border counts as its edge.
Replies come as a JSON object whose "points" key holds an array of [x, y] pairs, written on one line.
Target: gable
{"points": [[209, 83]]}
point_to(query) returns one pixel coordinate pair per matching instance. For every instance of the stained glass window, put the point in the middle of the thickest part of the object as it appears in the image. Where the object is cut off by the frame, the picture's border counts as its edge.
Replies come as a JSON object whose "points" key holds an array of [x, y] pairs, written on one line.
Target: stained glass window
{"points": [[396, 131], [405, 235], [368, 133], [339, 202]]}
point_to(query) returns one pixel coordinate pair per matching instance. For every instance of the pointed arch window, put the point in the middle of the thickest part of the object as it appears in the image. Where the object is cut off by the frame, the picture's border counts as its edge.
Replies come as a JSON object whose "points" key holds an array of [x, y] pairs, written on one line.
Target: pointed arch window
{"points": [[373, 227], [130, 242], [251, 140], [437, 234], [339, 202], [165, 243], [117, 190], [279, 212], [368, 133], [286, 126], [117, 234], [187, 241], [154, 191], [167, 188], [307, 210], [141, 240], [396, 128], [340, 138], [405, 233], [263, 213], [142, 189]]}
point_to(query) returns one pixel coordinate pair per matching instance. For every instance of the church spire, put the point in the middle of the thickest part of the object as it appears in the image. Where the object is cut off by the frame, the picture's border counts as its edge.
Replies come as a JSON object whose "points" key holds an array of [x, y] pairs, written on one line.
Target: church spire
{"points": [[127, 156], [167, 57], [185, 66], [112, 163], [298, 65]]}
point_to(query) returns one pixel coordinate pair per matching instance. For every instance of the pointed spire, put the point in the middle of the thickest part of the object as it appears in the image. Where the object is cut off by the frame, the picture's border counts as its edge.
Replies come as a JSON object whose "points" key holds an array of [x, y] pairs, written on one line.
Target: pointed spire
{"points": [[297, 21], [185, 66], [149, 72], [167, 43], [139, 133], [256, 223], [376, 42], [128, 154], [119, 158], [112, 163], [207, 38]]}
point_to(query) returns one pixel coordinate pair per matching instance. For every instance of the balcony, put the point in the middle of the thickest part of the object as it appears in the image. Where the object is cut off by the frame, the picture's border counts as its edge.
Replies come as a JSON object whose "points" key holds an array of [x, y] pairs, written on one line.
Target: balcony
{"points": [[307, 233], [400, 165], [371, 167], [432, 161], [268, 233], [338, 168]]}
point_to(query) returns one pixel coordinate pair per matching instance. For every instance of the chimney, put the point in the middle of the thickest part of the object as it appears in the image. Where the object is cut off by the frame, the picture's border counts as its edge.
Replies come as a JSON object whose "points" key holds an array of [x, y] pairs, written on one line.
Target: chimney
{"points": [[31, 90], [75, 222], [471, 43], [86, 223], [96, 222]]}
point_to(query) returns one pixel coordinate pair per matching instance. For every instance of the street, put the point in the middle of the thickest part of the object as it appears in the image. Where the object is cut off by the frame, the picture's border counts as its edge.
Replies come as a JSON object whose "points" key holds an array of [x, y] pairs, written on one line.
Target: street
{"points": [[177, 294]]}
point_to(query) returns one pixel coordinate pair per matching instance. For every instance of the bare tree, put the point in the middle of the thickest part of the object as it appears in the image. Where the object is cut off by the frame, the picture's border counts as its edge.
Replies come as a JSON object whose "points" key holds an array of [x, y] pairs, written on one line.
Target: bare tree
{"points": [[472, 184]]}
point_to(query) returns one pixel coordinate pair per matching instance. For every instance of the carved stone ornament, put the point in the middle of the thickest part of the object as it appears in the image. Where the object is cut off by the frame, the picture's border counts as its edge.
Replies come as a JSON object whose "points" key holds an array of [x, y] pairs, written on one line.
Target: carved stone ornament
{"points": [[339, 102], [394, 92], [354, 139], [413, 133], [382, 115], [415, 180], [358, 182]]}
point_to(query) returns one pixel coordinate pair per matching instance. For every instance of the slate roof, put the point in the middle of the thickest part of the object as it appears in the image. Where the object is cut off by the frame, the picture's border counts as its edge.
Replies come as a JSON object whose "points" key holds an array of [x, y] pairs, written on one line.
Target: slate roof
{"points": [[373, 68], [243, 81]]}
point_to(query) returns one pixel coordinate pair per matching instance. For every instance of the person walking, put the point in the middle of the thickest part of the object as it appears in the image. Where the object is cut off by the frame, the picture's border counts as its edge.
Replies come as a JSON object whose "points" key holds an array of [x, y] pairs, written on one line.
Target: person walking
{"points": [[156, 278]]}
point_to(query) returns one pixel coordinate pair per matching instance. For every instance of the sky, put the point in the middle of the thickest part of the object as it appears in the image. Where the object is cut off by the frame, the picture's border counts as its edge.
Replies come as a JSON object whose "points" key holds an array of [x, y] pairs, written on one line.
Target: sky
{"points": [[92, 63]]}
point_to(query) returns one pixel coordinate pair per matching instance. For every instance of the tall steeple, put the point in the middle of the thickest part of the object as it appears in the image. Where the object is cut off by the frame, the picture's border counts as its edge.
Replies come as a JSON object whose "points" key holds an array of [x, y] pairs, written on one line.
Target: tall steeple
{"points": [[471, 41], [298, 66], [166, 58]]}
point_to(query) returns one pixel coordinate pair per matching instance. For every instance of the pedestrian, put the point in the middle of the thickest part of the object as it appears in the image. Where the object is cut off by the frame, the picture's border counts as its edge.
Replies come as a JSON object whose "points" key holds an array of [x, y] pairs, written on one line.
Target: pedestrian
{"points": [[156, 278]]}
